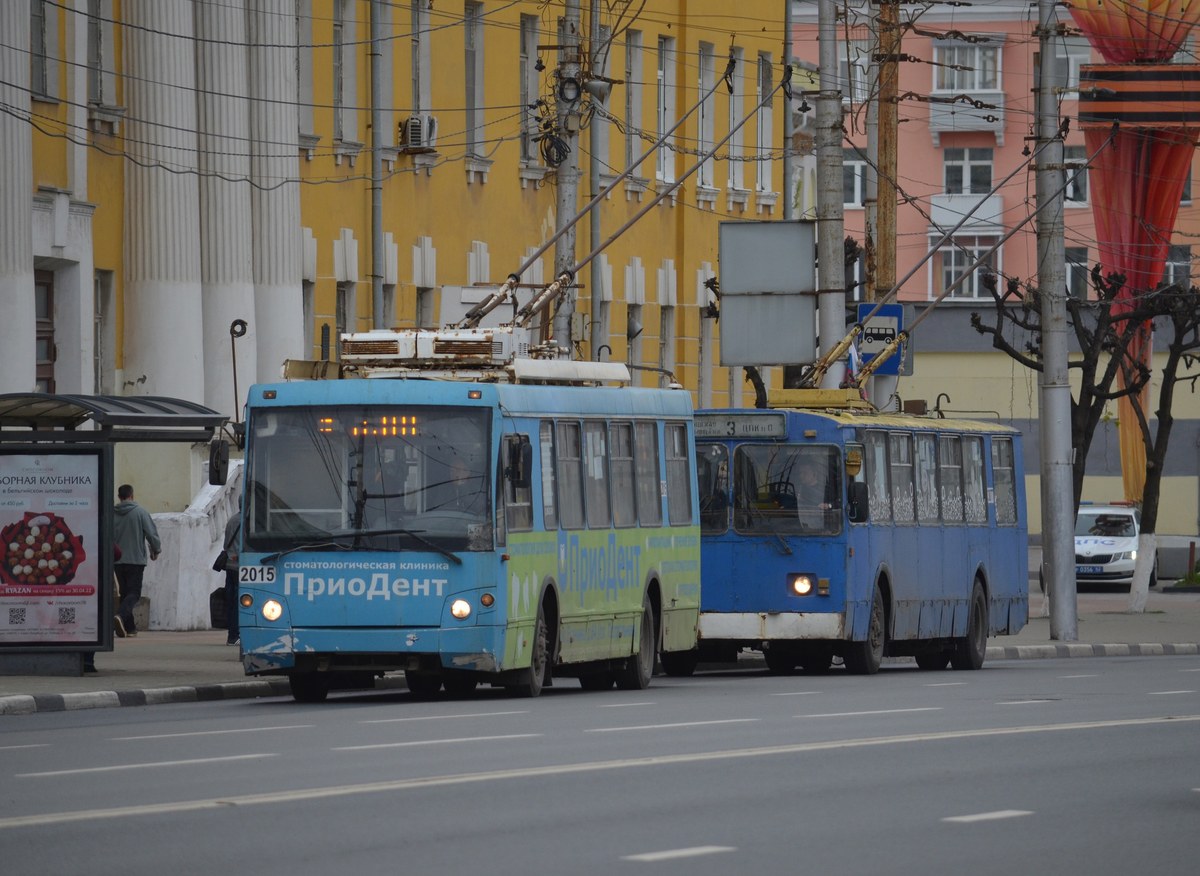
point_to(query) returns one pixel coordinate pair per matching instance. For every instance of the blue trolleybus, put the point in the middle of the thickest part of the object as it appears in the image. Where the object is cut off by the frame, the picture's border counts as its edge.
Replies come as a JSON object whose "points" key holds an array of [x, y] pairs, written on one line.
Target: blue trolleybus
{"points": [[843, 533], [466, 521]]}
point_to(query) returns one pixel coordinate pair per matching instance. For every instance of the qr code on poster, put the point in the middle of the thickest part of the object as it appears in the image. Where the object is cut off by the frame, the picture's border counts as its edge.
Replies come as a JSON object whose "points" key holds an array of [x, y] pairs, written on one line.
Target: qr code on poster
{"points": [[66, 615], [16, 617]]}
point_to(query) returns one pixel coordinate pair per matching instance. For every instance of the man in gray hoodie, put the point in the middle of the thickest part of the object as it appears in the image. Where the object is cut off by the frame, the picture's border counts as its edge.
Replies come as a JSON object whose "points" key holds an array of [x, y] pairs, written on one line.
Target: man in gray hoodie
{"points": [[133, 530]]}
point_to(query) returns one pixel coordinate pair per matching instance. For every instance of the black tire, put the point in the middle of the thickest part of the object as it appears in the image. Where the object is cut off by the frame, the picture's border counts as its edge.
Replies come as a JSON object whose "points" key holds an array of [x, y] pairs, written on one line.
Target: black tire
{"points": [[422, 683], [680, 664], [933, 661], [309, 687], [815, 660], [597, 681], [637, 671], [1153, 578], [864, 658], [970, 651], [533, 679], [781, 660], [458, 684]]}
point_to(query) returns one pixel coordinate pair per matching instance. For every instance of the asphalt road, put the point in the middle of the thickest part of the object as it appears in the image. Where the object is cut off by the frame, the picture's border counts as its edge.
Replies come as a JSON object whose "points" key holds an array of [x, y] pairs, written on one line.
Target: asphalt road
{"points": [[1061, 766]]}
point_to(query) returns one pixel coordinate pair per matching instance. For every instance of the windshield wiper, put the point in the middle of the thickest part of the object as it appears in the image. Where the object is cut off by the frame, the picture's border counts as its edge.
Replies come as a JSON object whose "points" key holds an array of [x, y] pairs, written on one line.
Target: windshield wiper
{"points": [[414, 533], [311, 546]]}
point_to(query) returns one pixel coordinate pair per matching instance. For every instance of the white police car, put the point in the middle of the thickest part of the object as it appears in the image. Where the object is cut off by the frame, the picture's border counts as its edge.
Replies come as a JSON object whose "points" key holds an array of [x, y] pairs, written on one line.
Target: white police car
{"points": [[1106, 538]]}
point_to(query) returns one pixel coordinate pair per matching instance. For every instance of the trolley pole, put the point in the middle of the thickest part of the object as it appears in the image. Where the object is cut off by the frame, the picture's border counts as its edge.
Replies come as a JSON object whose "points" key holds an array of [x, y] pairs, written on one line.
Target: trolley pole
{"points": [[1058, 515]]}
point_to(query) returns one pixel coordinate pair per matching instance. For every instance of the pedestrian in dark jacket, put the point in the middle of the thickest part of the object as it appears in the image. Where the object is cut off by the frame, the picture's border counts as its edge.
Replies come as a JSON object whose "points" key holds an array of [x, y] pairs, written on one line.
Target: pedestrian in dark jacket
{"points": [[133, 531], [233, 537]]}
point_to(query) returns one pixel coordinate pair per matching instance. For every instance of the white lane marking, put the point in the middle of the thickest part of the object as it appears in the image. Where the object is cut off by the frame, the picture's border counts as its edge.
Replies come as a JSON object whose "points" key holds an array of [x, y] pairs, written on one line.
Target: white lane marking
{"points": [[30, 745], [1092, 675], [1022, 702], [672, 726], [1167, 693], [1189, 670], [988, 816], [672, 854], [400, 785], [872, 712], [141, 766], [435, 742], [210, 732], [796, 693], [624, 705], [441, 717], [946, 684]]}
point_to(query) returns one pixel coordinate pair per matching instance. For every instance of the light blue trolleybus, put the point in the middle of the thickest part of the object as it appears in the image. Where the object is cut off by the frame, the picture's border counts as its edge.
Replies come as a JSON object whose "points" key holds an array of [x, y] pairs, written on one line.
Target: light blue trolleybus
{"points": [[830, 532], [455, 507]]}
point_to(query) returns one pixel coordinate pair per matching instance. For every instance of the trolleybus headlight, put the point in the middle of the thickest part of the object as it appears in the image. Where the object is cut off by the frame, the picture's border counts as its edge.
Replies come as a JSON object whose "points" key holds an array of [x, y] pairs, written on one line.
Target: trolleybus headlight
{"points": [[460, 608], [246, 600], [801, 583], [487, 600], [272, 610]]}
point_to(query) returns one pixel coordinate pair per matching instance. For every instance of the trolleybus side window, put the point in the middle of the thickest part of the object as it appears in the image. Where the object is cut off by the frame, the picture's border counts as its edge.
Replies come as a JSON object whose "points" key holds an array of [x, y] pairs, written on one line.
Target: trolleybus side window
{"points": [[712, 471], [900, 445], [624, 506], [549, 504], [926, 476], [974, 494], [518, 489], [649, 496], [679, 477], [950, 478], [595, 474], [1006, 491], [569, 476], [877, 477]]}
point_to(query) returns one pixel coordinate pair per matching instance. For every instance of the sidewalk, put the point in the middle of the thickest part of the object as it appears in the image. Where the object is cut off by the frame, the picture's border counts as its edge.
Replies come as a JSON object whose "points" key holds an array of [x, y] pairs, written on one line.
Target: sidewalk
{"points": [[175, 667]]}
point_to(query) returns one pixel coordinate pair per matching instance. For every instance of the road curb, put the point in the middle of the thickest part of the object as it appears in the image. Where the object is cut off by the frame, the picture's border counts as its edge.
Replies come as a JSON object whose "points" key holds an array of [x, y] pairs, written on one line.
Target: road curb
{"points": [[27, 704], [1076, 649]]}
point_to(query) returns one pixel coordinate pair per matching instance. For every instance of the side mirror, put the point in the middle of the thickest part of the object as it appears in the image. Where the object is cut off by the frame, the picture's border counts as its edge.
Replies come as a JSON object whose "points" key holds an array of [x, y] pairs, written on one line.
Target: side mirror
{"points": [[218, 462], [859, 505]]}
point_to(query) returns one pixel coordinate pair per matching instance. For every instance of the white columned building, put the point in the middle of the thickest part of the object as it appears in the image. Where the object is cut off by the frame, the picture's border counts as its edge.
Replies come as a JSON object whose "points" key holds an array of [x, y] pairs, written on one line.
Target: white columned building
{"points": [[163, 313], [275, 170], [226, 250], [18, 327]]}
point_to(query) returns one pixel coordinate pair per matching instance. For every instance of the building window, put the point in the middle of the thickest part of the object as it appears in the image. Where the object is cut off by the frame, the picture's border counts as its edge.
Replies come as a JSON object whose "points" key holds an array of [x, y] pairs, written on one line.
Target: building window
{"points": [[530, 89], [737, 178], [304, 68], [856, 277], [953, 261], [665, 109], [1075, 161], [43, 42], [1186, 196], [854, 177], [666, 338], [1072, 53], [104, 335], [345, 93], [346, 308], [43, 302], [707, 124], [422, 58], [1077, 272], [633, 95], [766, 123], [854, 57], [966, 67], [1178, 269], [968, 171], [473, 72]]}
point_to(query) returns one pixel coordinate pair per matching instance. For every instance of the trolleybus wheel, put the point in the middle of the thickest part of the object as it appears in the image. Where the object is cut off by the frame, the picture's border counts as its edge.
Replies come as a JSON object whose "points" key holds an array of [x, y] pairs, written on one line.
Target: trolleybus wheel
{"points": [[970, 651], [422, 683], [534, 678], [816, 659], [638, 669], [308, 687], [933, 660], [781, 660], [863, 658], [680, 664], [597, 680], [457, 684]]}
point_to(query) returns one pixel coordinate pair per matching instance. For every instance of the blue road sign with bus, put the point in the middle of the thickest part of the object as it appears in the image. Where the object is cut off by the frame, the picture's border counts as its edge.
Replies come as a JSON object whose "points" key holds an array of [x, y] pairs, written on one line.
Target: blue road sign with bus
{"points": [[878, 332]]}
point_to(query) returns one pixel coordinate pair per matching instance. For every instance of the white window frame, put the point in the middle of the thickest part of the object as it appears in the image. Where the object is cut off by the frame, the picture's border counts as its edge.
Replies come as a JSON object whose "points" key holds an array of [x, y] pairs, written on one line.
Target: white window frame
{"points": [[1178, 266], [633, 95], [473, 76], [530, 90], [765, 123], [1075, 165], [43, 50], [854, 162], [304, 68], [737, 143], [1077, 271], [952, 259], [345, 78], [664, 170], [706, 124], [1073, 52], [972, 157], [981, 60], [422, 58], [854, 57]]}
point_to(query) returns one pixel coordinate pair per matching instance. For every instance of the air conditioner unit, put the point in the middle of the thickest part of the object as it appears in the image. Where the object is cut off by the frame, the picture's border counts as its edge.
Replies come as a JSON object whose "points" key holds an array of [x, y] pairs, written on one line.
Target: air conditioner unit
{"points": [[418, 133]]}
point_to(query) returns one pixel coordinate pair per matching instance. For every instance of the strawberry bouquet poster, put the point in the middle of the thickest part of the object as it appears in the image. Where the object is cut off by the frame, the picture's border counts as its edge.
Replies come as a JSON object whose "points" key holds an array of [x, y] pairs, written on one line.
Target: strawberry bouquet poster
{"points": [[50, 518]]}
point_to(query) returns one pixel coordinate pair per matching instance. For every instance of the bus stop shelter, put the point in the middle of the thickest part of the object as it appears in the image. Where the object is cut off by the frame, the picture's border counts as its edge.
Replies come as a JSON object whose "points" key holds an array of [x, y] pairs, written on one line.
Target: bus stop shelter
{"points": [[56, 510]]}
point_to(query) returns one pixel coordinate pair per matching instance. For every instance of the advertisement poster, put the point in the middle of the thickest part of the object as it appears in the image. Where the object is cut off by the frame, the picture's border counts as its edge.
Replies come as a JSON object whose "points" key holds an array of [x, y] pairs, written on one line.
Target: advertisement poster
{"points": [[49, 532]]}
